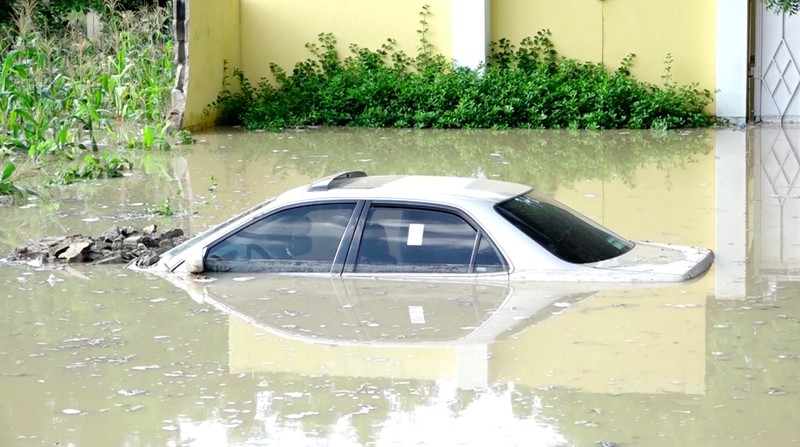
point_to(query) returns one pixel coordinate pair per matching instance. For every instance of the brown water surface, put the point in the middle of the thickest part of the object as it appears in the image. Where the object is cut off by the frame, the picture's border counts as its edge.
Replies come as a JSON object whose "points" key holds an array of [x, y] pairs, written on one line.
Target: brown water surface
{"points": [[103, 356]]}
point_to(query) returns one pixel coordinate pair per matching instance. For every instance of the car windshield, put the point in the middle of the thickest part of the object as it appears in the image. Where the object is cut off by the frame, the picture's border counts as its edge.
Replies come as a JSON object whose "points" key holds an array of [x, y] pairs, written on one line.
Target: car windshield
{"points": [[175, 251], [562, 231]]}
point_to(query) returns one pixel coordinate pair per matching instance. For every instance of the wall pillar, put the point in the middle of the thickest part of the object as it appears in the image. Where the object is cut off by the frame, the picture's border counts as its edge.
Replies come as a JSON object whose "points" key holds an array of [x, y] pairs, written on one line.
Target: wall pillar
{"points": [[206, 38], [732, 30], [471, 24]]}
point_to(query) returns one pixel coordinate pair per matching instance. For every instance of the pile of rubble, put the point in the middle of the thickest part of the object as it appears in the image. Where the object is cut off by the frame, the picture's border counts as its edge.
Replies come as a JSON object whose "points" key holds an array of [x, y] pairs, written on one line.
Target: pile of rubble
{"points": [[115, 245]]}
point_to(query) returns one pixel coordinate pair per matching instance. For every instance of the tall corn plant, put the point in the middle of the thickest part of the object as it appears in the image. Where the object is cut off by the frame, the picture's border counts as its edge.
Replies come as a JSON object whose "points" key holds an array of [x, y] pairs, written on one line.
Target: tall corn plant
{"points": [[57, 91], [34, 103]]}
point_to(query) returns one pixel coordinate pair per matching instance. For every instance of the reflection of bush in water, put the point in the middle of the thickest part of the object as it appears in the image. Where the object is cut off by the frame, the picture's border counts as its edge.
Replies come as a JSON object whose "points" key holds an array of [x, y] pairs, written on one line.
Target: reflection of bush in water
{"points": [[545, 158]]}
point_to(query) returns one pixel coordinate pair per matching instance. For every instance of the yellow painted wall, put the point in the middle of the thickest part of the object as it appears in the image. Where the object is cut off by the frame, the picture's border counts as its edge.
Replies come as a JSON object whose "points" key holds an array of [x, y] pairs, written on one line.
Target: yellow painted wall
{"points": [[608, 30], [251, 34], [576, 25], [213, 37], [651, 29], [277, 31]]}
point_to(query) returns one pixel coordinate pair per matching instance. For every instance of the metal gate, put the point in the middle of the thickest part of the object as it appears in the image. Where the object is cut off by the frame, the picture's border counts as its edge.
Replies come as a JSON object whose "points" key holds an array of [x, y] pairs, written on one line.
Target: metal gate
{"points": [[777, 66]]}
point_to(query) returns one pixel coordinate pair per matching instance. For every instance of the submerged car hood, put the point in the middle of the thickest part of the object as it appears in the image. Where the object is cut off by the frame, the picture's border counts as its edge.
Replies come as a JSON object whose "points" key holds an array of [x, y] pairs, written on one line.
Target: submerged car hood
{"points": [[661, 262]]}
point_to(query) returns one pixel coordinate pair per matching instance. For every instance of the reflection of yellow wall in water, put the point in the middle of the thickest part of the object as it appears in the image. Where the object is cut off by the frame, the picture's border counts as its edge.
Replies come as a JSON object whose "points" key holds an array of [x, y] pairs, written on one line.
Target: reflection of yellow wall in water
{"points": [[638, 341], [254, 349], [663, 205], [644, 346], [236, 171], [213, 37]]}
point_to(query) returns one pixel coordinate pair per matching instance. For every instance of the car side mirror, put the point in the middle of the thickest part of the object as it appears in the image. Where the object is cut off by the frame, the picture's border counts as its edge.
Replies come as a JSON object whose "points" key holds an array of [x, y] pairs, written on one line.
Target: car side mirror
{"points": [[194, 262]]}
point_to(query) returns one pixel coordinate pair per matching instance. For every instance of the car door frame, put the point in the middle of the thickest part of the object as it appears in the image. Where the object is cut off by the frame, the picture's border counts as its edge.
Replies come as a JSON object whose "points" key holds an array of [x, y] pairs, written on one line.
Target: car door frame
{"points": [[348, 263], [344, 242]]}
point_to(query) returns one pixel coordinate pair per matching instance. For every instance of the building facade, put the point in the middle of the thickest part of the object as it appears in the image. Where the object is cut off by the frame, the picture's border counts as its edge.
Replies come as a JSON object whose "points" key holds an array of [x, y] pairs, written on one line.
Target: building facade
{"points": [[746, 55]]}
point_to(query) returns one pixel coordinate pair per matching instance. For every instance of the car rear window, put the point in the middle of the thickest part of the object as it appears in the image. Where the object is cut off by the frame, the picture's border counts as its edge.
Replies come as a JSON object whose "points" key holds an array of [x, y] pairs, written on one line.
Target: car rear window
{"points": [[562, 231]]}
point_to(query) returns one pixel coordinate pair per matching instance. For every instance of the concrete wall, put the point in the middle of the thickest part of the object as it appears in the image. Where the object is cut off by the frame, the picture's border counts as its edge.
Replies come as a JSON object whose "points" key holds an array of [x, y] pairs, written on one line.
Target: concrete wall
{"points": [[277, 31], [212, 37], [607, 31]]}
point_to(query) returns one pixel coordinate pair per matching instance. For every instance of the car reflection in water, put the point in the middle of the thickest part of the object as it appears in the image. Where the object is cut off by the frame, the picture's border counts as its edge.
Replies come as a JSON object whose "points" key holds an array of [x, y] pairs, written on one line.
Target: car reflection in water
{"points": [[467, 332]]}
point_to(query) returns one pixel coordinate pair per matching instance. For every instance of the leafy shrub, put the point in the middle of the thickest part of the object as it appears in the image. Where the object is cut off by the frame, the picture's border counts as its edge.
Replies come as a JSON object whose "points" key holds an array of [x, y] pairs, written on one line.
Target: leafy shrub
{"points": [[530, 86]]}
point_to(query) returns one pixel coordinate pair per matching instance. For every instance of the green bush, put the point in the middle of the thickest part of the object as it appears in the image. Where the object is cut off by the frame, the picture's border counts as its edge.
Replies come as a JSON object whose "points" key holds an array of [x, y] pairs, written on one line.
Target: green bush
{"points": [[529, 86]]}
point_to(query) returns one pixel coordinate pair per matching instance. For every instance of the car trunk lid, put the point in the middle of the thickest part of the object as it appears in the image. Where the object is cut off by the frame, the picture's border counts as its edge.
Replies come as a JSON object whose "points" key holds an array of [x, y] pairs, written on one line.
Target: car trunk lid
{"points": [[661, 262]]}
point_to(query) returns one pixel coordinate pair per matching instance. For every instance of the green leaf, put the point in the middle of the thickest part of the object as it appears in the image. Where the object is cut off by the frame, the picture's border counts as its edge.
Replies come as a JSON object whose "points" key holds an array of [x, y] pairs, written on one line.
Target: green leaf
{"points": [[7, 171]]}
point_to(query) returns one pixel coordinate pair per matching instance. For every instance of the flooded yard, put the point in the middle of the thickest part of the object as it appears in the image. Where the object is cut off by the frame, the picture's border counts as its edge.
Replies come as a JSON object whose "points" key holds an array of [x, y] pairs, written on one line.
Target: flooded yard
{"points": [[93, 356]]}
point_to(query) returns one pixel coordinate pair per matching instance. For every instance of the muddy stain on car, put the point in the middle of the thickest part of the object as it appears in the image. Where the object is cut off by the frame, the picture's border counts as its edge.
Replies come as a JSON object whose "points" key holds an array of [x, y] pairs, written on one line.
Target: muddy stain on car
{"points": [[106, 356]]}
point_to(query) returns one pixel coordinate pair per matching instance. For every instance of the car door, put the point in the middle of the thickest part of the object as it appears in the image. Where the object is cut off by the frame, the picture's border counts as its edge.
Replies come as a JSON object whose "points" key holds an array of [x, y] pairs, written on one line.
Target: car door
{"points": [[304, 238], [422, 241]]}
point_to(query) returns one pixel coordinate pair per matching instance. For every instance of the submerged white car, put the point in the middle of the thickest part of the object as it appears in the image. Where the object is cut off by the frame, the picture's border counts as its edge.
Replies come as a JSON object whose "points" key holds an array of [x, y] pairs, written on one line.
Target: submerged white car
{"points": [[427, 227]]}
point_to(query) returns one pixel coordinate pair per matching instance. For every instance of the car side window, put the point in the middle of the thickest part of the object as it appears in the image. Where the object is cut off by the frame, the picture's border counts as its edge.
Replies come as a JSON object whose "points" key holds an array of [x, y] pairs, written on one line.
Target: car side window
{"points": [[301, 239], [487, 259], [407, 240]]}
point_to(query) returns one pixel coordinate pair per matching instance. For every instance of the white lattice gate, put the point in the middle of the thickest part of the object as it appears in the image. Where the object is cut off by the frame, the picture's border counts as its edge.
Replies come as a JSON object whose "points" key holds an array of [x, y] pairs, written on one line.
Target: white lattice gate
{"points": [[777, 68]]}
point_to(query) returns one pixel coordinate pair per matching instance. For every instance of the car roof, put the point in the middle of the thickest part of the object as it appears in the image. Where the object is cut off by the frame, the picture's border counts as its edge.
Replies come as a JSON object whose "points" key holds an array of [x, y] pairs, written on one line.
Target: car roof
{"points": [[357, 184]]}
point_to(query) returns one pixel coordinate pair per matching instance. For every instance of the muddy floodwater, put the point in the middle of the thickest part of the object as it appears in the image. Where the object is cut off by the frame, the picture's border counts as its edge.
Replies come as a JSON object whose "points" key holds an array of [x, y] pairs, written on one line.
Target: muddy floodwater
{"points": [[104, 356]]}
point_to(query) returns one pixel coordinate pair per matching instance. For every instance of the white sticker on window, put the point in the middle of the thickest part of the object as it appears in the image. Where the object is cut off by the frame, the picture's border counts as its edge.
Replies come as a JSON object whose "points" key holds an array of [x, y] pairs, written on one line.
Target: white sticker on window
{"points": [[415, 232], [416, 314]]}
